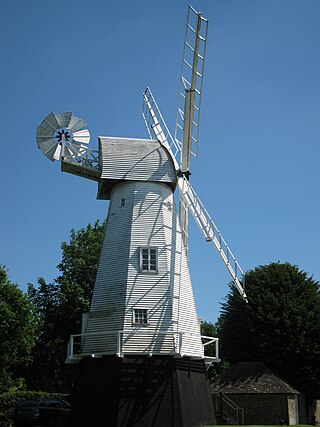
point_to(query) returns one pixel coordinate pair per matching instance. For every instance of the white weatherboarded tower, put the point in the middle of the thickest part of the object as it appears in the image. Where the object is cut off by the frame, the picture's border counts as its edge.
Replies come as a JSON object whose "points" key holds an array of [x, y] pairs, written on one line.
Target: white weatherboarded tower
{"points": [[141, 353], [143, 301]]}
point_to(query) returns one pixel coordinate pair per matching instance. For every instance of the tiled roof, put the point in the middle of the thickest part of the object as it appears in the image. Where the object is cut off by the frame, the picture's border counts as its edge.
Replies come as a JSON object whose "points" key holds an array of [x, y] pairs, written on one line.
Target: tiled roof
{"points": [[251, 377]]}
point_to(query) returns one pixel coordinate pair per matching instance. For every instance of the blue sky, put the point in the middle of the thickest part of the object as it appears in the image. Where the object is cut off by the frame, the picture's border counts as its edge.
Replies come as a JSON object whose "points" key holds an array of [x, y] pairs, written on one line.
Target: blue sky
{"points": [[258, 167]]}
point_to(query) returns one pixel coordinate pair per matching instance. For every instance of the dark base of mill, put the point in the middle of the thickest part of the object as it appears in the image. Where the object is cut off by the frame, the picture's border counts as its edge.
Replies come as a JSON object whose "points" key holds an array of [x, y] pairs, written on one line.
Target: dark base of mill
{"points": [[142, 392]]}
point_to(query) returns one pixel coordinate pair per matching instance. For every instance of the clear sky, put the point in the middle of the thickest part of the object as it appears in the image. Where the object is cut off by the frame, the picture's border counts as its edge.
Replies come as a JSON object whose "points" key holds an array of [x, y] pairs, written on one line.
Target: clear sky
{"points": [[258, 167]]}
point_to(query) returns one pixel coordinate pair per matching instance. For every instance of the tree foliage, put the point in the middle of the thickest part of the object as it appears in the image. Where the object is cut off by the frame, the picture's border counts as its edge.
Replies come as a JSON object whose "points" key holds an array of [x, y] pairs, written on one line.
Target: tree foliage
{"points": [[47, 371], [80, 258], [17, 331], [280, 325], [59, 307]]}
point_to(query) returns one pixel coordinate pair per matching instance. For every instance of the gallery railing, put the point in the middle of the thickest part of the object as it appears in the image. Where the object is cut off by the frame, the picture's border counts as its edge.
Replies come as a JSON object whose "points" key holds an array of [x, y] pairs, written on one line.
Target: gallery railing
{"points": [[142, 342]]}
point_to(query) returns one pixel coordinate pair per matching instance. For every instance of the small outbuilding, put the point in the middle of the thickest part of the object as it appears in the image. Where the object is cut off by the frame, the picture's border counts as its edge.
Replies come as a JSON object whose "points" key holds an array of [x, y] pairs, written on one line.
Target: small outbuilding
{"points": [[250, 393]]}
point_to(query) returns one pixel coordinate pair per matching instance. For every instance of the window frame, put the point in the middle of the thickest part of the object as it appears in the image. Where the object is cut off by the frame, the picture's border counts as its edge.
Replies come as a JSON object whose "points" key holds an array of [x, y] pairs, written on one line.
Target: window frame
{"points": [[144, 314], [148, 270]]}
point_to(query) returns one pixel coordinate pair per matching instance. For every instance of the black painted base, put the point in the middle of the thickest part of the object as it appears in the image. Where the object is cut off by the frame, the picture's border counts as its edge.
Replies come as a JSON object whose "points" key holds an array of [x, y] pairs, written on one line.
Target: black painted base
{"points": [[142, 392]]}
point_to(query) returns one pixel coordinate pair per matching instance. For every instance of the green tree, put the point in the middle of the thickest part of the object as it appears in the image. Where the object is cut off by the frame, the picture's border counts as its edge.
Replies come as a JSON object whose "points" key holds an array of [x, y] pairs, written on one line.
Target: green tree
{"points": [[17, 329], [47, 371], [79, 265], [280, 325], [80, 258], [59, 307]]}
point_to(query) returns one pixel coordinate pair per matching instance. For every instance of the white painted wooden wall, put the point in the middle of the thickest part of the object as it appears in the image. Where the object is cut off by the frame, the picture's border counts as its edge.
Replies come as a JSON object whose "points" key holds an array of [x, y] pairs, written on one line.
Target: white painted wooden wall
{"points": [[142, 173]]}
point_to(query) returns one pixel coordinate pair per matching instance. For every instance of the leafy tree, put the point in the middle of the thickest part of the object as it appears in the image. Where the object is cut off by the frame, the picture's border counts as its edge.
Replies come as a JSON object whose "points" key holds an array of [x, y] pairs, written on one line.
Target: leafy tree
{"points": [[280, 325], [79, 265], [59, 307], [80, 258], [47, 371], [17, 328]]}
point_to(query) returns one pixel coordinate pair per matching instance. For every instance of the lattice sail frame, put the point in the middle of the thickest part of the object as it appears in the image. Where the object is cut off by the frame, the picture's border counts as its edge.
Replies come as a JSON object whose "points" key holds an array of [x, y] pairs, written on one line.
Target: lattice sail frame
{"points": [[191, 79], [190, 91], [193, 203]]}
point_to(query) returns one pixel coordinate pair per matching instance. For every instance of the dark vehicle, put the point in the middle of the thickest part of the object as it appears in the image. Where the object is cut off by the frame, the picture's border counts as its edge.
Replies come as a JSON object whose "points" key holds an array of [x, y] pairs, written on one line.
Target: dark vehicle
{"points": [[41, 412]]}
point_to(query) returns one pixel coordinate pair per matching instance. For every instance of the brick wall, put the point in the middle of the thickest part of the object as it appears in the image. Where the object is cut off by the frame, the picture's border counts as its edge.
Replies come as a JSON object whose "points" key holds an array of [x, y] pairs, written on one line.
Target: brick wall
{"points": [[262, 408]]}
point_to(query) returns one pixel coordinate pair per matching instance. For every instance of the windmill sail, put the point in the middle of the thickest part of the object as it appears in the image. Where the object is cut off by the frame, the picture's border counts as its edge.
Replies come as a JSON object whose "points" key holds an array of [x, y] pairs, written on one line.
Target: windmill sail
{"points": [[188, 195], [212, 233], [189, 100], [157, 127], [190, 91]]}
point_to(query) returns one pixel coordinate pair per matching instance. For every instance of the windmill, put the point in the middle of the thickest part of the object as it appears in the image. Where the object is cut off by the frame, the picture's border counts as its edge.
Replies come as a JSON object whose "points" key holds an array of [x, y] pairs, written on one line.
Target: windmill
{"points": [[143, 317]]}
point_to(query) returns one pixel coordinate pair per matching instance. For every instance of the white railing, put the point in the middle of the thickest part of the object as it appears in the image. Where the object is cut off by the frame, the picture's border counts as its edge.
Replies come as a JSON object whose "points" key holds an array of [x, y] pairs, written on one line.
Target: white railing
{"points": [[81, 156], [119, 338]]}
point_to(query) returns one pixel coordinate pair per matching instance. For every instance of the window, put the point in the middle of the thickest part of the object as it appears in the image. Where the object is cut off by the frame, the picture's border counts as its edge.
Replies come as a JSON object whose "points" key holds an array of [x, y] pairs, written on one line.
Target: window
{"points": [[140, 316], [168, 205], [149, 259], [122, 202]]}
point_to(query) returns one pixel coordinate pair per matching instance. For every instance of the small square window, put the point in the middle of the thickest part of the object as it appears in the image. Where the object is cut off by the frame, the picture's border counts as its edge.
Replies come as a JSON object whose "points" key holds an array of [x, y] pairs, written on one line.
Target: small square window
{"points": [[122, 202], [168, 205], [140, 316], [149, 259]]}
